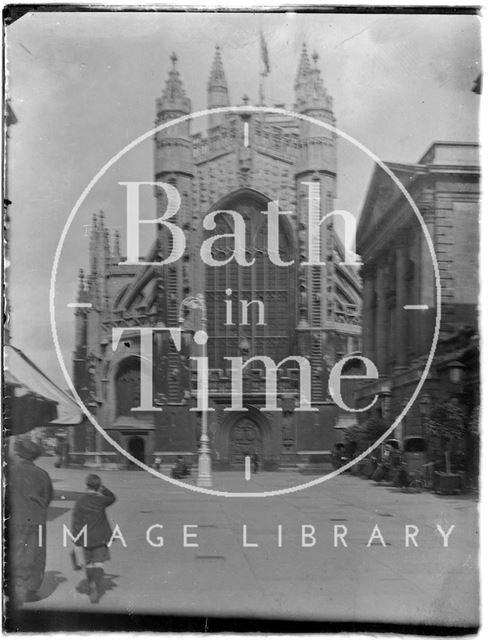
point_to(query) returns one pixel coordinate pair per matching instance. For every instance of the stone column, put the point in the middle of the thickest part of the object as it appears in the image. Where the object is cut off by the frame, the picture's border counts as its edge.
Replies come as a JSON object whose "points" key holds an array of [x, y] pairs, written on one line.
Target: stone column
{"points": [[425, 279], [368, 329], [402, 316], [381, 338]]}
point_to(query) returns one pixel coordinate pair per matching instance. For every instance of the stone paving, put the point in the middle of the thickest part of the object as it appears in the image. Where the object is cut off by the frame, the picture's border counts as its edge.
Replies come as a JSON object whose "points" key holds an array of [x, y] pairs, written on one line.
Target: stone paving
{"points": [[428, 584]]}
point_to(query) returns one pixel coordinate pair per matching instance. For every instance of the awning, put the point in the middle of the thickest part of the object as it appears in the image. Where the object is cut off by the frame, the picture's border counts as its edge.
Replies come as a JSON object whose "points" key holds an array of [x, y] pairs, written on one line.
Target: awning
{"points": [[24, 411], [10, 379], [35, 400]]}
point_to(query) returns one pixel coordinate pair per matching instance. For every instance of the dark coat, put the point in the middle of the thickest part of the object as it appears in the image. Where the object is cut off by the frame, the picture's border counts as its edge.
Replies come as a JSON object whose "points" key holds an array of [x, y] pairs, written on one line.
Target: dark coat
{"points": [[180, 467], [90, 510], [29, 493]]}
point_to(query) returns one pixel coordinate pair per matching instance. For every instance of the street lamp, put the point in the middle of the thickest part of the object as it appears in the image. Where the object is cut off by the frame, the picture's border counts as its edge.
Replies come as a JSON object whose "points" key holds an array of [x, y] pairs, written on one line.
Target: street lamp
{"points": [[204, 477]]}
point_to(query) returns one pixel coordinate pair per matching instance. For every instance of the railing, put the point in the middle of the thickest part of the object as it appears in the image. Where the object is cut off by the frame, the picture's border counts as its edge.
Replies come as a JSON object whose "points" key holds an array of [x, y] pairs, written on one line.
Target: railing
{"points": [[269, 138], [253, 382]]}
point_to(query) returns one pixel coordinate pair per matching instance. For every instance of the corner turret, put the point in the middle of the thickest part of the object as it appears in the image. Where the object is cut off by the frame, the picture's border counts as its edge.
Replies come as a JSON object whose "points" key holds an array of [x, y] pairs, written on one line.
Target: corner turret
{"points": [[315, 176], [317, 151], [173, 148]]}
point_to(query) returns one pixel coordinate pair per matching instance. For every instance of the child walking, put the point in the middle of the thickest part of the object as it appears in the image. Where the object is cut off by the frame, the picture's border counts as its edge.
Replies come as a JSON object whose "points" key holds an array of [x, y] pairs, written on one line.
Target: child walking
{"points": [[89, 511]]}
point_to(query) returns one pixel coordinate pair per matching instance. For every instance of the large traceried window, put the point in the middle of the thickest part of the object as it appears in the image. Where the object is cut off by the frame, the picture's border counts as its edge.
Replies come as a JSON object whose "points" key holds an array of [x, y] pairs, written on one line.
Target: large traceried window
{"points": [[272, 285]]}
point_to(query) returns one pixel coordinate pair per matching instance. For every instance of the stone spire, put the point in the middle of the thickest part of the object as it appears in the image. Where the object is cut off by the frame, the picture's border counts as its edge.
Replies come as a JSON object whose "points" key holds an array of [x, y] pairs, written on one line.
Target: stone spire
{"points": [[217, 79], [94, 243], [304, 69], [105, 239], [173, 146], [81, 286], [99, 253], [116, 252], [174, 97], [310, 92], [319, 93], [81, 316], [217, 91], [174, 87]]}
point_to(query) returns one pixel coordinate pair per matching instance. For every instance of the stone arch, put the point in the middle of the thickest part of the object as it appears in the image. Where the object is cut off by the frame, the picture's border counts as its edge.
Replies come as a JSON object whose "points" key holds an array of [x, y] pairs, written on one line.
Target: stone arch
{"points": [[136, 445], [261, 199], [232, 442]]}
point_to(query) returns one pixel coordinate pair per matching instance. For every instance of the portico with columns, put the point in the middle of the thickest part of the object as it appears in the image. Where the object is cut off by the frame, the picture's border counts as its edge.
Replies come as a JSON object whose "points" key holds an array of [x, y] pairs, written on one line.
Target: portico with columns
{"points": [[398, 273]]}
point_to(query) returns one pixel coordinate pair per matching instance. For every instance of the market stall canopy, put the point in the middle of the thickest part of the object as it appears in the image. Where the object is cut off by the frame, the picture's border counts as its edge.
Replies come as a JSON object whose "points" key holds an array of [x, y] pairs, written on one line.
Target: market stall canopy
{"points": [[32, 399]]}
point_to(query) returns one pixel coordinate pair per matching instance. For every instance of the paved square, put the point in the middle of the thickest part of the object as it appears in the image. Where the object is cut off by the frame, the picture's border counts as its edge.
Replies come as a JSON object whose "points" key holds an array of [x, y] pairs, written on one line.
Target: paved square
{"points": [[307, 577]]}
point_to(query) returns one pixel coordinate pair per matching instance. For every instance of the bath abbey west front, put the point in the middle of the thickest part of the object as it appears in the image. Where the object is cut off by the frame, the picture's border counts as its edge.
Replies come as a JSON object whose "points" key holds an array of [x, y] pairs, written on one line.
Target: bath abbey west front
{"points": [[264, 309]]}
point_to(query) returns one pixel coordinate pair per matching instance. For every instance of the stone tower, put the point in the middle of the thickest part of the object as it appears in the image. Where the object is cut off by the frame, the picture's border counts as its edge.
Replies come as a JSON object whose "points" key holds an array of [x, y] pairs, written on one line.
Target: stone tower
{"points": [[92, 322], [315, 177], [238, 162], [173, 166]]}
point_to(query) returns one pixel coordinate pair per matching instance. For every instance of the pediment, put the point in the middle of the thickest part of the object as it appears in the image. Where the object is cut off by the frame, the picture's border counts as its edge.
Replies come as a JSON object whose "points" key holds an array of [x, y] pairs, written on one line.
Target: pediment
{"points": [[382, 194]]}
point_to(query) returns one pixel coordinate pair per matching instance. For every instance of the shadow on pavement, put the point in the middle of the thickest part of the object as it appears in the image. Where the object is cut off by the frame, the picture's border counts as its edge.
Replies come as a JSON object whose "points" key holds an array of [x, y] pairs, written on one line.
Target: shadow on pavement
{"points": [[108, 584], [52, 579]]}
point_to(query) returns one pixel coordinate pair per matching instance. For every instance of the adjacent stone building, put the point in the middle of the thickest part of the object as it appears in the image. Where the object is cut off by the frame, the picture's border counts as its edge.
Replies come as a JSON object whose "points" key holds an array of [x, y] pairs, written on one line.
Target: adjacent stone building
{"points": [[311, 311], [398, 272]]}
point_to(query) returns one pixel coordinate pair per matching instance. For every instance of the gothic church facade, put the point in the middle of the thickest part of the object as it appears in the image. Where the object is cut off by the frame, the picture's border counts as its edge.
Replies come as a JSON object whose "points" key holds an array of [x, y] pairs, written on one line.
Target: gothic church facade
{"points": [[312, 311]]}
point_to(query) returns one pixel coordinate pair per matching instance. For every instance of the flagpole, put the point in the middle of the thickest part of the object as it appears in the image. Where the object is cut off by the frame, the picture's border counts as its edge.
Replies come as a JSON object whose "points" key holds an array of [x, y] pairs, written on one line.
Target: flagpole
{"points": [[262, 91], [266, 68]]}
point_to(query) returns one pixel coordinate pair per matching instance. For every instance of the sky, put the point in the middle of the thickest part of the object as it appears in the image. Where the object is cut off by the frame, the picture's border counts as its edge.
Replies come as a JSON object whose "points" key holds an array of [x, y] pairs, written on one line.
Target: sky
{"points": [[83, 85]]}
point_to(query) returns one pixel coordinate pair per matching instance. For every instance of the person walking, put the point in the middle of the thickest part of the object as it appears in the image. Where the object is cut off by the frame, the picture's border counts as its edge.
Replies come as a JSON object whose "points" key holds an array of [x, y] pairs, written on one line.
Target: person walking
{"points": [[89, 511], [29, 492]]}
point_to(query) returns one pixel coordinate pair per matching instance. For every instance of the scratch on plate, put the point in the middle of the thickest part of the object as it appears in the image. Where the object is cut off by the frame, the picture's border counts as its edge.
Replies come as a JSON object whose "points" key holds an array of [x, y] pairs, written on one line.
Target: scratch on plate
{"points": [[25, 48]]}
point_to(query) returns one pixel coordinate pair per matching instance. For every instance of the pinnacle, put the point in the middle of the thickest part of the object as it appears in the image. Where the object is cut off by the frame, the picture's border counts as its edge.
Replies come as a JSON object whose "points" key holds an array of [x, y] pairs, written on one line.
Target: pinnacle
{"points": [[319, 91], [217, 77], [174, 88], [309, 83], [98, 221], [116, 245], [81, 285], [304, 66]]}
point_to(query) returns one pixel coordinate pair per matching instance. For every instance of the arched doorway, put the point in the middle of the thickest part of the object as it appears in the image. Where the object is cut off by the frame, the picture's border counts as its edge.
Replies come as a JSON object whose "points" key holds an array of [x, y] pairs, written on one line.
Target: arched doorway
{"points": [[246, 437], [135, 446]]}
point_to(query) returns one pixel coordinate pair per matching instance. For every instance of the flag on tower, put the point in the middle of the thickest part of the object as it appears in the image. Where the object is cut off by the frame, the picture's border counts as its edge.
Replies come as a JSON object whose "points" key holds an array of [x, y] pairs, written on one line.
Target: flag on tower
{"points": [[264, 54]]}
